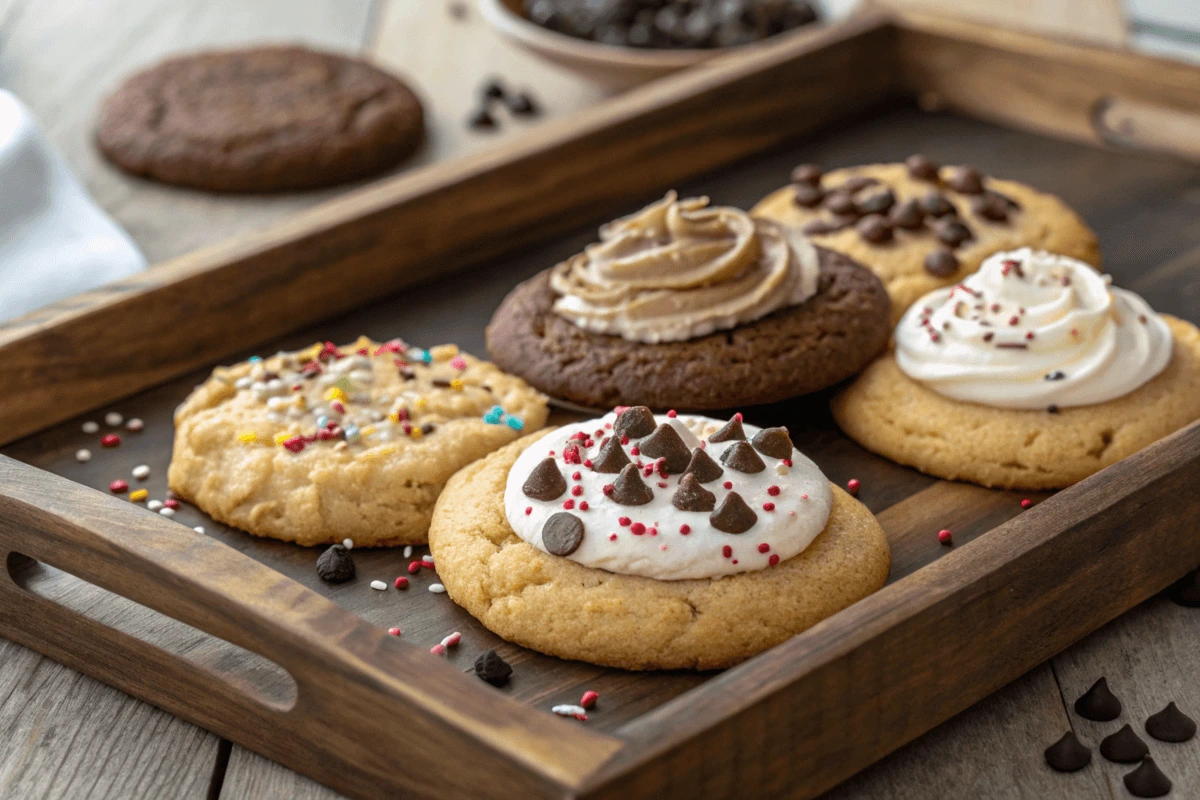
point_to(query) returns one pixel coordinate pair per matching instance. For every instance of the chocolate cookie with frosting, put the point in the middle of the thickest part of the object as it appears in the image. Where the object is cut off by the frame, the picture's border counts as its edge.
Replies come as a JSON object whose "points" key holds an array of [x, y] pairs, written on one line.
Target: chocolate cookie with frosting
{"points": [[686, 305]]}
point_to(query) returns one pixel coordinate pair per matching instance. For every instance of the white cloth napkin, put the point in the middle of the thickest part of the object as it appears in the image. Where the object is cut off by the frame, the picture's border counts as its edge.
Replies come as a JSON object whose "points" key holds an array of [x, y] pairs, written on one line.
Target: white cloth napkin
{"points": [[54, 240]]}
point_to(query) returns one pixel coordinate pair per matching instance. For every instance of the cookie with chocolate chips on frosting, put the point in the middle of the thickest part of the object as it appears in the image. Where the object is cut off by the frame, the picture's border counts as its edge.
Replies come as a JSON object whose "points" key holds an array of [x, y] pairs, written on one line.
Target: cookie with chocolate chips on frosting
{"points": [[920, 226], [330, 443], [1033, 373], [704, 543], [692, 306]]}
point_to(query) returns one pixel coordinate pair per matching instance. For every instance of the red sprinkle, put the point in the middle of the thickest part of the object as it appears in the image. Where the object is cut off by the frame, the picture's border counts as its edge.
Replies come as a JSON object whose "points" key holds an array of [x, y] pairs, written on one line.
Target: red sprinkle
{"points": [[1013, 320], [414, 567], [1029, 335], [764, 547], [773, 491], [577, 490], [528, 510], [111, 440], [671, 413], [171, 502], [438, 649], [393, 631], [1026, 503], [685, 529], [568, 504], [623, 522], [787, 462], [295, 444], [727, 551], [608, 488], [576, 475], [728, 484], [612, 537], [944, 537], [662, 484], [401, 582], [633, 451], [773, 560], [624, 439], [118, 487], [583, 505], [637, 529], [589, 699], [853, 486], [652, 531], [768, 506], [738, 416]]}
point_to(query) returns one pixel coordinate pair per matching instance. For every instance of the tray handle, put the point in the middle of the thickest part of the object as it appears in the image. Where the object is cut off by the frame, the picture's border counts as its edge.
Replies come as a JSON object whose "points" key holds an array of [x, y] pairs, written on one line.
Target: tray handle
{"points": [[372, 716], [1138, 125]]}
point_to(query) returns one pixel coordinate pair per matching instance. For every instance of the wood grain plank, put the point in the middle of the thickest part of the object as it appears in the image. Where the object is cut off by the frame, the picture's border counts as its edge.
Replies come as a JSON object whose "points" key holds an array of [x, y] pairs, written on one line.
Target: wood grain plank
{"points": [[252, 777]]}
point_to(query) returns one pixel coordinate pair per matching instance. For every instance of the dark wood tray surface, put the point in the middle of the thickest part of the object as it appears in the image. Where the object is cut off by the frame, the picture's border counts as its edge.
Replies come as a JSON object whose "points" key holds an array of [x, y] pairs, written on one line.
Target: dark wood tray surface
{"points": [[1145, 210]]}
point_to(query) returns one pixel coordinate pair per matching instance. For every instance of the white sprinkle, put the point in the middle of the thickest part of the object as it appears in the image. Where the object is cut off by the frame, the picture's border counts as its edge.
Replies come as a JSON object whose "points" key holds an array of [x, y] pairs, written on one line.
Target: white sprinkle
{"points": [[90, 426], [379, 586], [141, 472], [199, 529], [243, 382], [782, 469], [452, 639], [167, 512], [83, 456], [348, 544], [569, 710], [408, 551], [113, 419], [134, 425], [154, 505], [427, 559], [437, 588]]}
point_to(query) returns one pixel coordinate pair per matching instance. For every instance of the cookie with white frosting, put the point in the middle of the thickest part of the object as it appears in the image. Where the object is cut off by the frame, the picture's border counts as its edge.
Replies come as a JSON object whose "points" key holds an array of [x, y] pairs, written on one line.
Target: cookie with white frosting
{"points": [[329, 443], [684, 305], [653, 542], [1032, 373]]}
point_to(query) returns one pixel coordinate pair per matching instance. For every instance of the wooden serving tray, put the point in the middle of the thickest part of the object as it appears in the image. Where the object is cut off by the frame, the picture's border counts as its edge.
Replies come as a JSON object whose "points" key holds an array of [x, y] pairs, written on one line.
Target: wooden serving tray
{"points": [[252, 646]]}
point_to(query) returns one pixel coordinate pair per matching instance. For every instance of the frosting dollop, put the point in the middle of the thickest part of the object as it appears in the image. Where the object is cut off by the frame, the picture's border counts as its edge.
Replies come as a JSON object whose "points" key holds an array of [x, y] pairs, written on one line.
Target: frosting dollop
{"points": [[1031, 330], [679, 269], [635, 516]]}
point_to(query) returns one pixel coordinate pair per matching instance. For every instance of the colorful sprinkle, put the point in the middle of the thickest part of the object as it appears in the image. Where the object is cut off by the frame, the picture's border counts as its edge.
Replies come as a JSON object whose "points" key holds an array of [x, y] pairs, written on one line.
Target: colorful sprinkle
{"points": [[401, 582], [773, 560], [83, 456], [852, 486], [727, 551], [1026, 503], [514, 423], [764, 547], [437, 588], [91, 427], [138, 496], [589, 699], [414, 567], [945, 538], [134, 425], [249, 437], [111, 440], [141, 472], [685, 529], [379, 586], [393, 631], [438, 649], [113, 419], [118, 487], [452, 639]]}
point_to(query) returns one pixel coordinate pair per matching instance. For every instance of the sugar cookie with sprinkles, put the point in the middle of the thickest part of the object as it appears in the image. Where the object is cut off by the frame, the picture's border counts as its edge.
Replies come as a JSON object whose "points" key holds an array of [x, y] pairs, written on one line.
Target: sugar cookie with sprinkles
{"points": [[330, 443], [653, 542]]}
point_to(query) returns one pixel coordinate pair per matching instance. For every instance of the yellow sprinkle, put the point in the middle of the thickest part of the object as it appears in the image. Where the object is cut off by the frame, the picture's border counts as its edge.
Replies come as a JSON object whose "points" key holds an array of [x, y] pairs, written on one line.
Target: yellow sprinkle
{"points": [[443, 352], [249, 437], [416, 432], [456, 385], [420, 402], [386, 451], [138, 495], [335, 393], [367, 431], [312, 352], [280, 438], [394, 416]]}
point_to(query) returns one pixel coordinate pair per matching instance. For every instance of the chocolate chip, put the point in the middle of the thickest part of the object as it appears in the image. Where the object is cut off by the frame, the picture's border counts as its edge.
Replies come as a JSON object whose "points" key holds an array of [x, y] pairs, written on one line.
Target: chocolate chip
{"points": [[936, 205], [1171, 725], [741, 456], [1123, 747], [1098, 704], [807, 195], [989, 206], [634, 422], [491, 668], [494, 90], [335, 565], [482, 120], [1056, 375], [703, 467], [729, 431], [773, 442], [951, 232], [876, 203], [628, 489], [611, 458], [733, 515], [523, 105], [562, 534], [1186, 590], [691, 496], [941, 263], [921, 168], [841, 203], [857, 184], [545, 482], [818, 227], [807, 173], [907, 215], [1011, 204], [873, 229], [665, 443], [965, 180], [1068, 754], [1147, 780], [441, 383], [428, 428]]}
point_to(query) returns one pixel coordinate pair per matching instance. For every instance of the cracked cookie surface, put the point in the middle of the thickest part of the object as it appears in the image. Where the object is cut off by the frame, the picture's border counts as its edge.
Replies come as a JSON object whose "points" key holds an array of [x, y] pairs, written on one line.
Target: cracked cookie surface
{"points": [[890, 414], [562, 608]]}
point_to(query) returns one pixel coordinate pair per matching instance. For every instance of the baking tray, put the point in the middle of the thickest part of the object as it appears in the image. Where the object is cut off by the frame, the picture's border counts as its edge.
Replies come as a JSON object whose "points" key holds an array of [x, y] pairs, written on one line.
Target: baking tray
{"points": [[248, 643]]}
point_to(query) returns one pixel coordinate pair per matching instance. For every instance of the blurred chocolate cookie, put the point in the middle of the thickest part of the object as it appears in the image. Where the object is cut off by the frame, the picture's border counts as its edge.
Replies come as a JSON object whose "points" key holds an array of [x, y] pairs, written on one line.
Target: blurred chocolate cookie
{"points": [[263, 119]]}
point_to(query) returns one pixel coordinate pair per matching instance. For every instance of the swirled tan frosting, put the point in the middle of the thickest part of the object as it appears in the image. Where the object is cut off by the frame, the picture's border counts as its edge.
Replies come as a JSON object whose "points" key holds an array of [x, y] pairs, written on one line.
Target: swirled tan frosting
{"points": [[679, 269]]}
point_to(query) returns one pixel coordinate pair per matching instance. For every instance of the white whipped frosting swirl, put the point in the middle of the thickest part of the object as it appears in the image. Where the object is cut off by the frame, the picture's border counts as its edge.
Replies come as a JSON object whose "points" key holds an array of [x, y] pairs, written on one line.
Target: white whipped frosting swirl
{"points": [[672, 544], [679, 269], [1031, 330]]}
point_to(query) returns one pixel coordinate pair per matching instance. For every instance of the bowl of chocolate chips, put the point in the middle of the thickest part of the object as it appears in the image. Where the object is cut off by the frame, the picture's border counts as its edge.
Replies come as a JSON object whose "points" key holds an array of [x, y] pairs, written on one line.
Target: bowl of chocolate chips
{"points": [[621, 43]]}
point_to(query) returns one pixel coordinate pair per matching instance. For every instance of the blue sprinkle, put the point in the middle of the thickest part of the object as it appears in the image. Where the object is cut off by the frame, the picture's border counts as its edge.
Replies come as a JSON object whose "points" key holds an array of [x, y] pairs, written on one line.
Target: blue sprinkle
{"points": [[515, 423], [255, 359], [322, 421], [426, 356], [491, 419], [352, 433], [497, 411]]}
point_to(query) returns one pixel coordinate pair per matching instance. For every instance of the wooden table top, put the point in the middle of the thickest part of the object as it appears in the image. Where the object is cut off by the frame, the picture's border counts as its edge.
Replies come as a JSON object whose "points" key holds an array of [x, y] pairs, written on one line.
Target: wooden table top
{"points": [[71, 736]]}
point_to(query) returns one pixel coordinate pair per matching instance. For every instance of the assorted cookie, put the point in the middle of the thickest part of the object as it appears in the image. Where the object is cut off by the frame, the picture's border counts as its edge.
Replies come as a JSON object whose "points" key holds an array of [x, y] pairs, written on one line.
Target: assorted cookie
{"points": [[920, 226], [653, 542], [262, 119], [1033, 373], [692, 306], [330, 443]]}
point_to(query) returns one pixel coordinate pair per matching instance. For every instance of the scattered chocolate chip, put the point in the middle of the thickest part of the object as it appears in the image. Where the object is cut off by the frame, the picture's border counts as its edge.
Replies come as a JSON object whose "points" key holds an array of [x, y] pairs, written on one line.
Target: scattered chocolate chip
{"points": [[1171, 725], [703, 467], [857, 184], [807, 195], [691, 496], [1147, 780], [941, 263], [634, 422], [494, 90], [545, 482], [1098, 704], [482, 120], [441, 383], [989, 206], [665, 443], [951, 232], [907, 215], [335, 565], [921, 168], [1123, 747], [936, 205], [428, 428], [493, 669], [1056, 375], [807, 173], [458, 10], [1068, 754], [877, 203], [733, 515], [965, 180], [562, 534], [730, 430], [629, 490], [874, 229], [611, 458], [741, 456], [773, 442], [1052, 409], [523, 105], [840, 203], [1186, 590]]}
